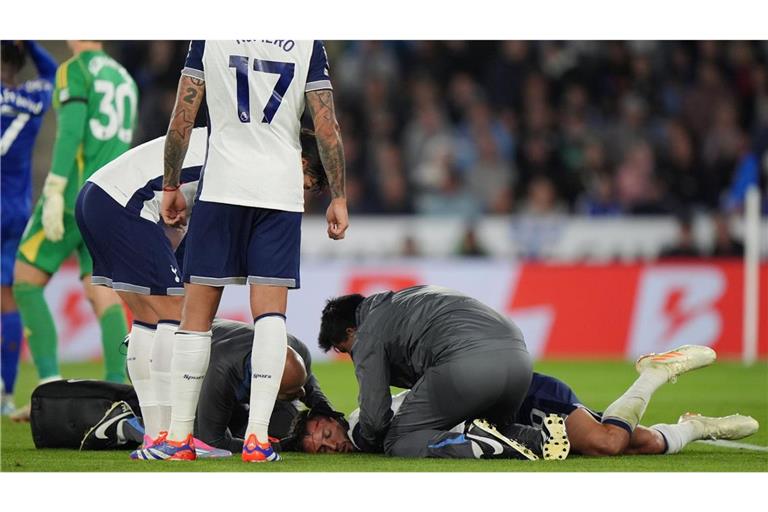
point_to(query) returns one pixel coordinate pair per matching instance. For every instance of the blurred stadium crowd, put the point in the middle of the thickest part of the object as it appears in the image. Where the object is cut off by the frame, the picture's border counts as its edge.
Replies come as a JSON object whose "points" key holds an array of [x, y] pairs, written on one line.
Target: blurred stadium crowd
{"points": [[539, 128]]}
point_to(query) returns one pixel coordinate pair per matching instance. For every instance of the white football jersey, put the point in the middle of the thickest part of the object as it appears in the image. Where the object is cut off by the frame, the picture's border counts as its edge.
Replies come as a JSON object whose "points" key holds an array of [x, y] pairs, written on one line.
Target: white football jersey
{"points": [[254, 91], [135, 178]]}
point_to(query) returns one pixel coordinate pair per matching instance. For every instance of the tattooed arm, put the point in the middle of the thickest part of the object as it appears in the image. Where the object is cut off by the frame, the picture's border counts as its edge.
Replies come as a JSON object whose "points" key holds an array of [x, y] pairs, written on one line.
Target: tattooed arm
{"points": [[188, 99], [320, 104]]}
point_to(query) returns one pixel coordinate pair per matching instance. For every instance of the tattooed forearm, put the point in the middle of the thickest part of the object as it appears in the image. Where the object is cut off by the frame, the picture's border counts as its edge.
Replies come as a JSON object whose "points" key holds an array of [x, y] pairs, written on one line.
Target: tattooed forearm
{"points": [[329, 144], [188, 99]]}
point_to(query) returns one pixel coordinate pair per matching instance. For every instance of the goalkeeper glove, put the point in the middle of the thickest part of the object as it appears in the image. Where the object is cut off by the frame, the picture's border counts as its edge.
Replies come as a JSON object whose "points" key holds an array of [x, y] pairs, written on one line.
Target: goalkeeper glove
{"points": [[53, 207]]}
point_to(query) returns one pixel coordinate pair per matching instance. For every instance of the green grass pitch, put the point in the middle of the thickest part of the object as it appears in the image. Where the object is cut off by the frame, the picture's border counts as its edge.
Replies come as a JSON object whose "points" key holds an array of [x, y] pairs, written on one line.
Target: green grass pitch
{"points": [[722, 389]]}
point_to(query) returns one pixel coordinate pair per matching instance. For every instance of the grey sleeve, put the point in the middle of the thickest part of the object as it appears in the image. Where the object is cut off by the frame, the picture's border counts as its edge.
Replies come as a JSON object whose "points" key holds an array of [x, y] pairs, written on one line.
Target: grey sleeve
{"points": [[372, 372]]}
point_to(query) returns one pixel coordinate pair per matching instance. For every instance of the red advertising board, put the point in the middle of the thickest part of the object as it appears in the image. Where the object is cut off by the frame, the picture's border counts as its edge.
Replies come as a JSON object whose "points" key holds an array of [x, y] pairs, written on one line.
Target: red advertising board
{"points": [[574, 310]]}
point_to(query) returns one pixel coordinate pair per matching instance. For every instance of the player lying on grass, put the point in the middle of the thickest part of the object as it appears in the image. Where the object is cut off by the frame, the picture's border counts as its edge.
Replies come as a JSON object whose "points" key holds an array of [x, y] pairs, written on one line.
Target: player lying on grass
{"points": [[118, 212], [222, 412], [462, 361], [592, 433]]}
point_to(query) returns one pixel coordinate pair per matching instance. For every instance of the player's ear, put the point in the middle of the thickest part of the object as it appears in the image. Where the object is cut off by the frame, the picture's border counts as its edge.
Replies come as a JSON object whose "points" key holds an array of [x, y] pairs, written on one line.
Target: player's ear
{"points": [[304, 165]]}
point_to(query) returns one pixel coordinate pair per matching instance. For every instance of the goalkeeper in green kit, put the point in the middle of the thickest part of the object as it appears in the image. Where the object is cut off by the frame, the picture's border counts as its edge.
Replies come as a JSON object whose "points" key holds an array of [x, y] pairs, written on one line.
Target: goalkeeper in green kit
{"points": [[96, 101]]}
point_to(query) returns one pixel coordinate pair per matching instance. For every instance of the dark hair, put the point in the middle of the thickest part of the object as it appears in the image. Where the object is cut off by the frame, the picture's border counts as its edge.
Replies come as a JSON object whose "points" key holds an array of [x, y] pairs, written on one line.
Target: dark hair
{"points": [[298, 430], [13, 54], [292, 442], [311, 153], [338, 315]]}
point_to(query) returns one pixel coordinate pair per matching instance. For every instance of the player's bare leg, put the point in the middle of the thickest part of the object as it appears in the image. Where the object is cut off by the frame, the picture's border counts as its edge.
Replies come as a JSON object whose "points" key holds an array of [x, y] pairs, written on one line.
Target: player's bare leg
{"points": [[200, 305], [268, 306], [26, 273], [7, 302], [100, 297], [646, 441], [590, 437]]}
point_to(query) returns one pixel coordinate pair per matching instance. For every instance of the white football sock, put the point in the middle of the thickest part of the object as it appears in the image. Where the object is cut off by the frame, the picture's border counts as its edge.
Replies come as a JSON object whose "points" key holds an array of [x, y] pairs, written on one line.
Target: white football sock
{"points": [[679, 435], [630, 407], [160, 370], [140, 341], [267, 363], [191, 352]]}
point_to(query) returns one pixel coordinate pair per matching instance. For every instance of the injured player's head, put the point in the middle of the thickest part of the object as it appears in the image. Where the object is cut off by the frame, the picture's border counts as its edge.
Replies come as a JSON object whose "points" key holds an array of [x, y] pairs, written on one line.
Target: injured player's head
{"points": [[324, 434]]}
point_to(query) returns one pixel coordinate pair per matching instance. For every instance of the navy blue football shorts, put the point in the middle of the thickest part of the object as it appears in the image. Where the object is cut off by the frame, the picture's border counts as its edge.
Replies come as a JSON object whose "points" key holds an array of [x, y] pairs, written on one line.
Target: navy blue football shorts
{"points": [[130, 253], [233, 244], [548, 395]]}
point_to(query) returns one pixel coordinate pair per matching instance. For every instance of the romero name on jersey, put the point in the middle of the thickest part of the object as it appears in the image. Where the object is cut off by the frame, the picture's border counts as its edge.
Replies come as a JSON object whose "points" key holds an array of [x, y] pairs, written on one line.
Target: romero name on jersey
{"points": [[254, 154]]}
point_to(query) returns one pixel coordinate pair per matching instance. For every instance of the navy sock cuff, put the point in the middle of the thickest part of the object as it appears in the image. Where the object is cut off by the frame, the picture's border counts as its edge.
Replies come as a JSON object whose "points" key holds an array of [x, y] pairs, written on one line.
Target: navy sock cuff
{"points": [[666, 443], [145, 325], [172, 322], [268, 314], [618, 423]]}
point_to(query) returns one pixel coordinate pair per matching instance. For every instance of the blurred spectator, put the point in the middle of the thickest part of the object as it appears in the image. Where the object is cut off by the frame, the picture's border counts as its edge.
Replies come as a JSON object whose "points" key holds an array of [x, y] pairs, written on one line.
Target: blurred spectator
{"points": [[760, 98], [432, 171], [452, 199], [491, 177], [616, 127], [506, 73], [393, 191], [410, 248], [481, 123], [684, 246], [469, 245], [427, 125], [363, 60], [630, 128], [542, 200], [681, 173], [725, 245], [636, 184], [599, 198]]}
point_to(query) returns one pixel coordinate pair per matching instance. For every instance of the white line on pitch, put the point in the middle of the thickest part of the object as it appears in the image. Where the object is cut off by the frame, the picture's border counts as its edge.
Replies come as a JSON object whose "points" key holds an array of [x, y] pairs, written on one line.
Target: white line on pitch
{"points": [[739, 446]]}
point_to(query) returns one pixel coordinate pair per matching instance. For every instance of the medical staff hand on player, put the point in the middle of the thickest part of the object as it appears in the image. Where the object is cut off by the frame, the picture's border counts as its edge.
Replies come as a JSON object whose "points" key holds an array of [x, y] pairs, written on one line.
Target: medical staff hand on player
{"points": [[173, 207]]}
